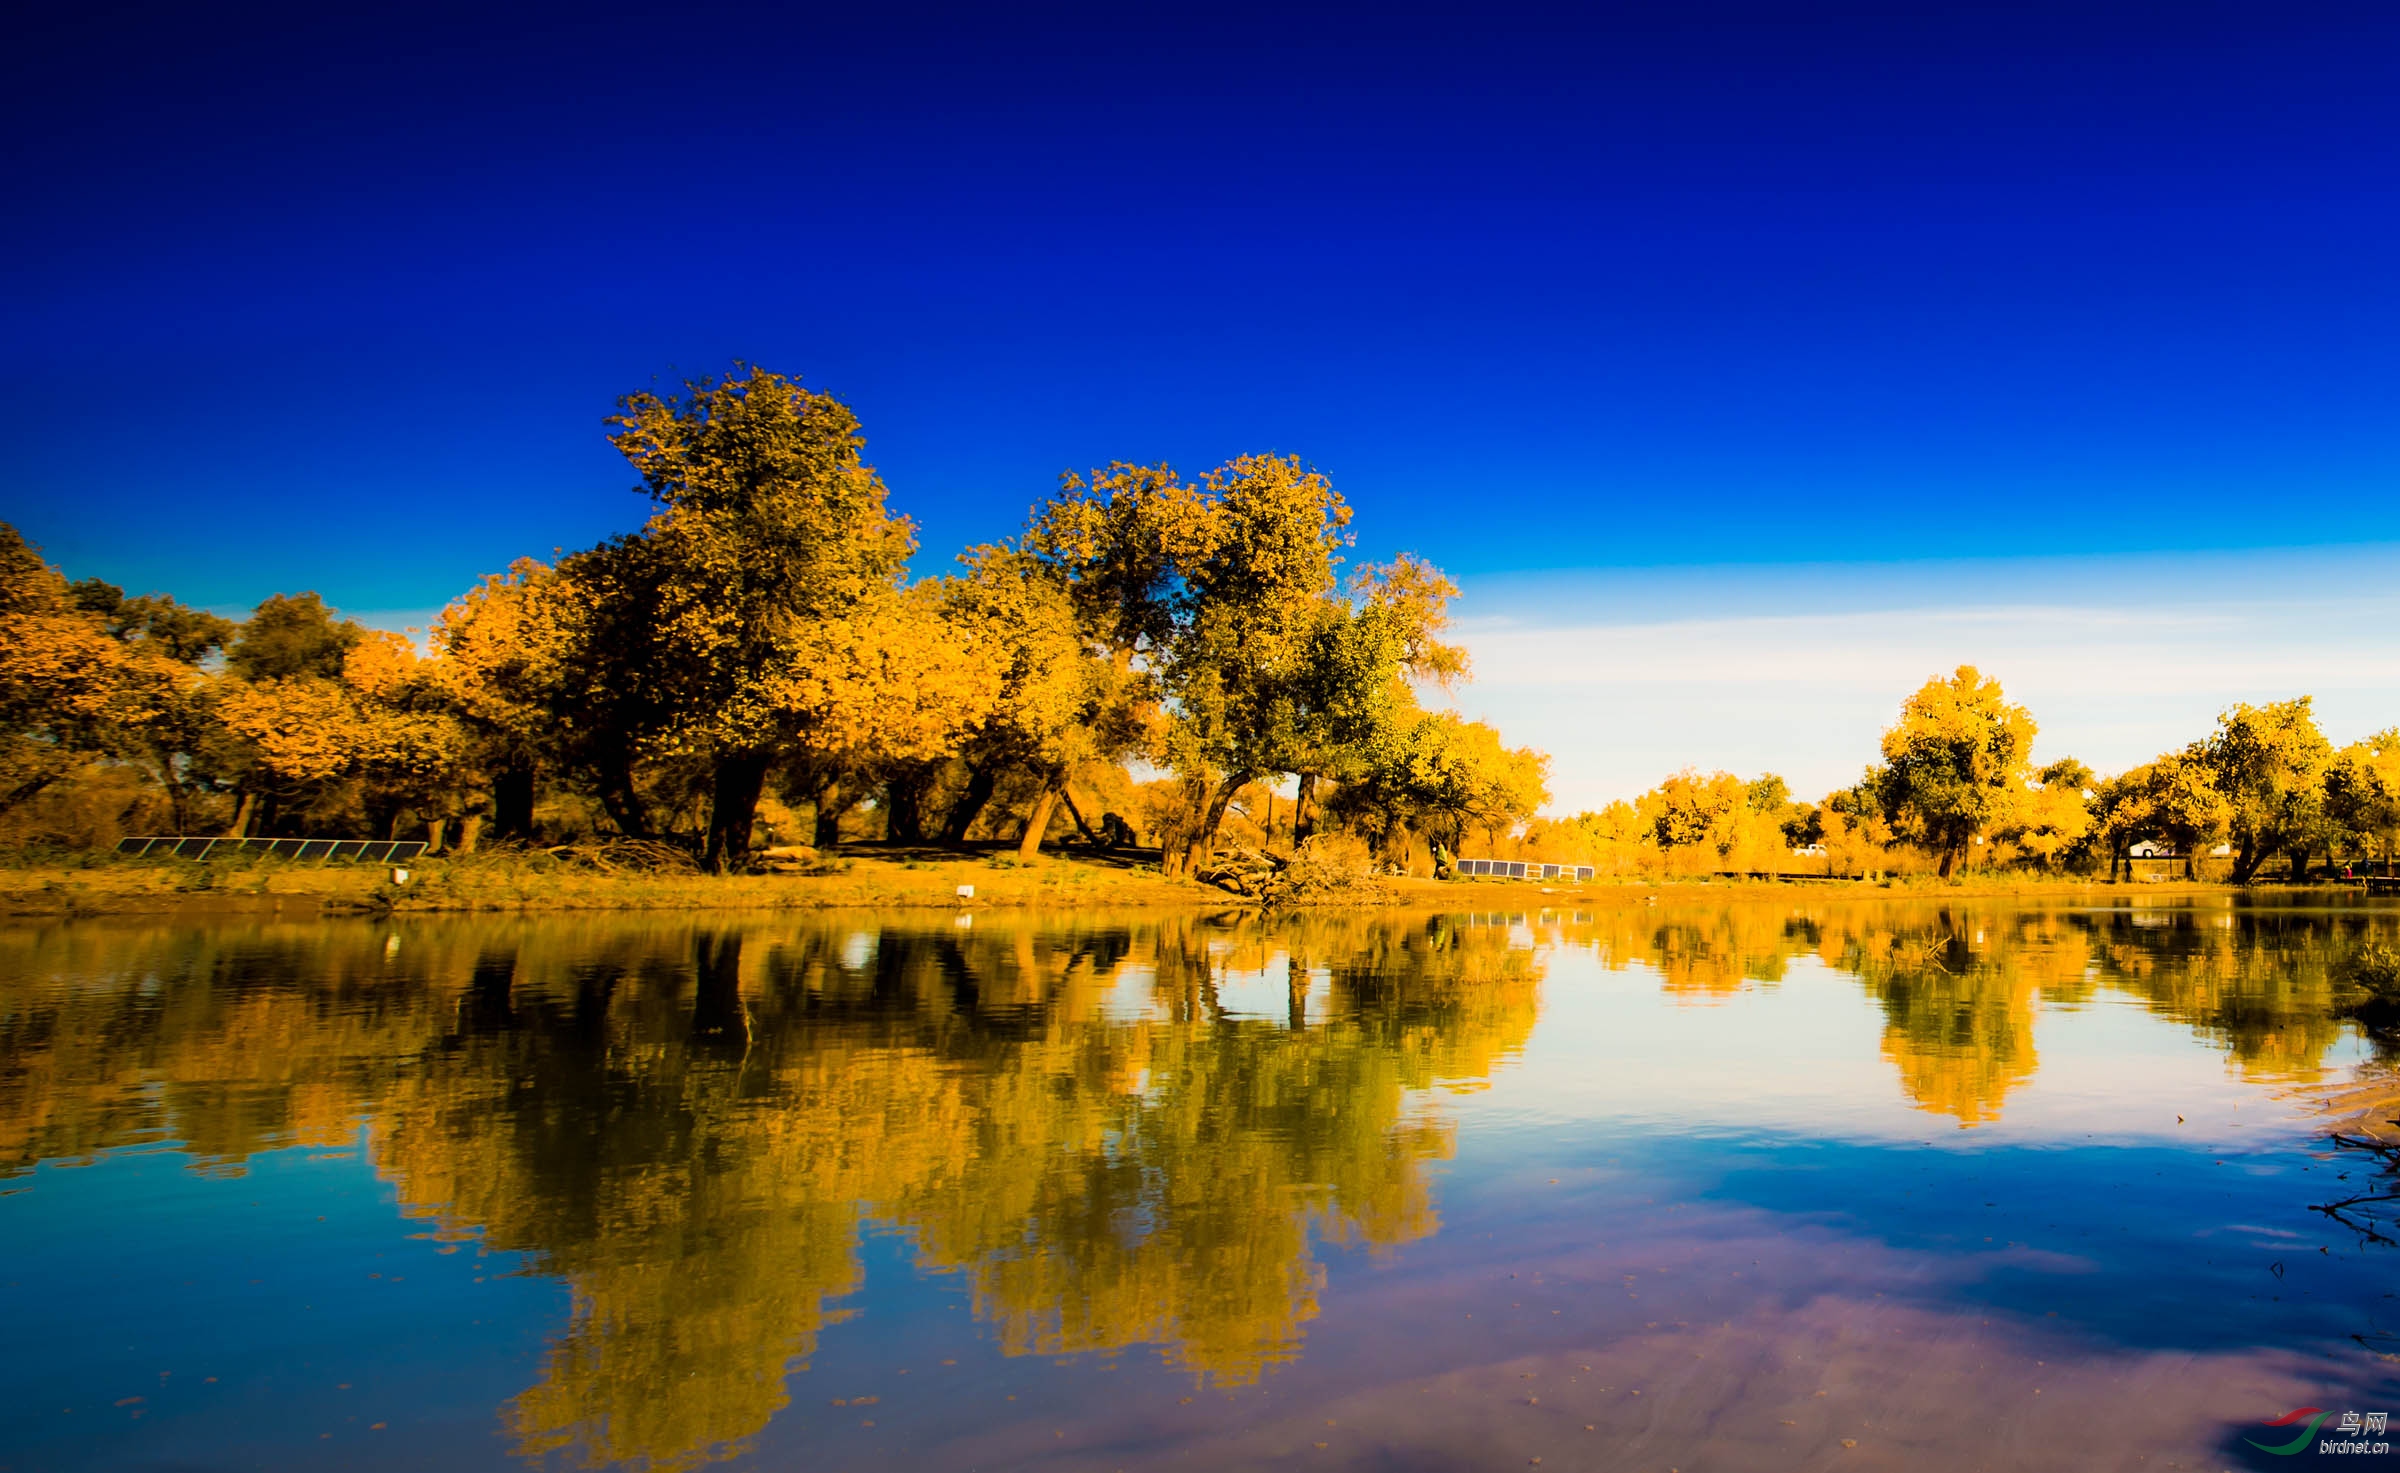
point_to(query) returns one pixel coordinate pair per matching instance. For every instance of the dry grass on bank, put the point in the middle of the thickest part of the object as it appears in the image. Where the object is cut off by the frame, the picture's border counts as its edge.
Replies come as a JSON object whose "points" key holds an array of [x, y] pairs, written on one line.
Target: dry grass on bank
{"points": [[532, 880], [55, 883]]}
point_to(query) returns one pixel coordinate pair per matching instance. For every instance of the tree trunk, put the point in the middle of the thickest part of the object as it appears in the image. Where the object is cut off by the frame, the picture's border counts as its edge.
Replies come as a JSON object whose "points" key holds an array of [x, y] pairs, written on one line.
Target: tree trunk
{"points": [[1949, 860], [179, 801], [434, 829], [470, 829], [1037, 823], [904, 802], [1175, 836], [512, 802], [242, 816], [1066, 795], [1304, 820], [827, 833], [719, 1019], [489, 1005], [618, 796], [1203, 840], [2245, 862], [733, 808], [970, 805]]}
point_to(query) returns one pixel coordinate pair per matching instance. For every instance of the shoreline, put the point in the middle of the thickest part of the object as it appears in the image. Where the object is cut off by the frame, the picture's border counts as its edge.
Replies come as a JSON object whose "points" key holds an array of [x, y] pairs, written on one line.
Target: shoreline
{"points": [[516, 882]]}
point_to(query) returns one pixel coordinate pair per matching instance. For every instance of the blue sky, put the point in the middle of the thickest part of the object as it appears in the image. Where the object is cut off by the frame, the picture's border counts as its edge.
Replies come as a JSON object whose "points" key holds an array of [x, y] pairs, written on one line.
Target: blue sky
{"points": [[338, 300]]}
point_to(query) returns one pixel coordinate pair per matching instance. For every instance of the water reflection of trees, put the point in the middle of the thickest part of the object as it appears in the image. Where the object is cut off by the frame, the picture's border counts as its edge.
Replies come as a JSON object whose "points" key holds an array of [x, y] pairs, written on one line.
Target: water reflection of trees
{"points": [[1958, 984], [693, 1126]]}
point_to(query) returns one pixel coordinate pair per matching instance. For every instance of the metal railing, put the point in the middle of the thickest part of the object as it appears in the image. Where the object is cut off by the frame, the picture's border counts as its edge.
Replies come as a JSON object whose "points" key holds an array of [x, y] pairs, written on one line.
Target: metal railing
{"points": [[374, 851]]}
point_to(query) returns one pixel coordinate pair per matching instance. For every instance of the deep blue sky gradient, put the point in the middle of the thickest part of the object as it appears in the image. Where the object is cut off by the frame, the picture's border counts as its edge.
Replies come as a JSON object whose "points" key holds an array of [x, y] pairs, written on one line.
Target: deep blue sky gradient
{"points": [[338, 300]]}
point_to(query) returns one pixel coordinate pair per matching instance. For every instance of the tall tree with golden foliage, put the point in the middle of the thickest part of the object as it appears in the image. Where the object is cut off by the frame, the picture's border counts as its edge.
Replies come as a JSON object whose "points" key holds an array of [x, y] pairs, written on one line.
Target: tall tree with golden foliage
{"points": [[499, 650], [2172, 799], [289, 732], [1357, 718], [1440, 776], [778, 566], [1060, 703], [898, 681], [1955, 763], [1087, 606], [2362, 790], [1246, 608], [2269, 762], [87, 675]]}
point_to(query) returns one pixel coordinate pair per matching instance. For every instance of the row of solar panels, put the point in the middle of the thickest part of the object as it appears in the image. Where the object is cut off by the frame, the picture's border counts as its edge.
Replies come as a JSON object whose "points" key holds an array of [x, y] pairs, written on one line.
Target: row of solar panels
{"points": [[1517, 869], [377, 851]]}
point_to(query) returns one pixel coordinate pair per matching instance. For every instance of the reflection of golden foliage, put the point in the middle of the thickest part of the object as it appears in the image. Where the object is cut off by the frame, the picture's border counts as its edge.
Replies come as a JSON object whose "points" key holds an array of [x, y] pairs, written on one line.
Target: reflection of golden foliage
{"points": [[690, 1124], [1959, 983], [2258, 983], [1958, 1009]]}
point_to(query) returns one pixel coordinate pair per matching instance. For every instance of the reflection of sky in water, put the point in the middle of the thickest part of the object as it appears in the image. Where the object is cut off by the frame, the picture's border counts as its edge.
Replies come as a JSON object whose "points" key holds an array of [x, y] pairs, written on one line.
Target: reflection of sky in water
{"points": [[1717, 1188]]}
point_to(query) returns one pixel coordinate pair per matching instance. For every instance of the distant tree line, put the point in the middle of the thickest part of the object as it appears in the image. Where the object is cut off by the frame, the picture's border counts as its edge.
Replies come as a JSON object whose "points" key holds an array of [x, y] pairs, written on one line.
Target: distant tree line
{"points": [[758, 650], [1957, 786]]}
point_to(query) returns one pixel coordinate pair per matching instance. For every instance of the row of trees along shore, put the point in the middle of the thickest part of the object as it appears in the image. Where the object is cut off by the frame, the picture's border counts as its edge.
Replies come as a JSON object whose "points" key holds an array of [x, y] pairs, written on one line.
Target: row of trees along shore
{"points": [[2265, 794], [758, 650]]}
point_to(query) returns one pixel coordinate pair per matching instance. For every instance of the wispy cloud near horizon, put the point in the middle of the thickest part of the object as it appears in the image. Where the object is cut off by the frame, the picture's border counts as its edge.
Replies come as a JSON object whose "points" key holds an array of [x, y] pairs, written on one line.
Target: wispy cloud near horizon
{"points": [[1626, 677]]}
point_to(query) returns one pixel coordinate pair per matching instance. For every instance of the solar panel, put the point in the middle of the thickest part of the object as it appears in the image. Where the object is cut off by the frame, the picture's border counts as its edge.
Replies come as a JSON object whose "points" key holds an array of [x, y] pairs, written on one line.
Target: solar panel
{"points": [[201, 846]]}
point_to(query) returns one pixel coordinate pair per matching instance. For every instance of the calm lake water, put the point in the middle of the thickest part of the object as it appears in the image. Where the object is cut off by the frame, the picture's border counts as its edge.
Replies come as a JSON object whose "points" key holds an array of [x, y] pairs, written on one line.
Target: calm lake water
{"points": [[1752, 1185]]}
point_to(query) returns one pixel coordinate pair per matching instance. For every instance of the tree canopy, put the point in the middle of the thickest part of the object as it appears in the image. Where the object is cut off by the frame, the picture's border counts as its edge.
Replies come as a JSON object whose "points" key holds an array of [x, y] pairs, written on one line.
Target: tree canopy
{"points": [[1155, 661]]}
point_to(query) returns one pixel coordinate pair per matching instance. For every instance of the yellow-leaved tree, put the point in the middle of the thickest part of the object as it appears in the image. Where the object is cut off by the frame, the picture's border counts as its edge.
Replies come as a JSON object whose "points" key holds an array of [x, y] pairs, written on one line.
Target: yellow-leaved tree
{"points": [[1691, 813], [2269, 763], [2172, 799], [414, 753], [1955, 763], [771, 567], [499, 652], [2362, 791], [1442, 777], [370, 746], [2054, 816], [897, 681], [1246, 606], [72, 690], [1063, 701]]}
